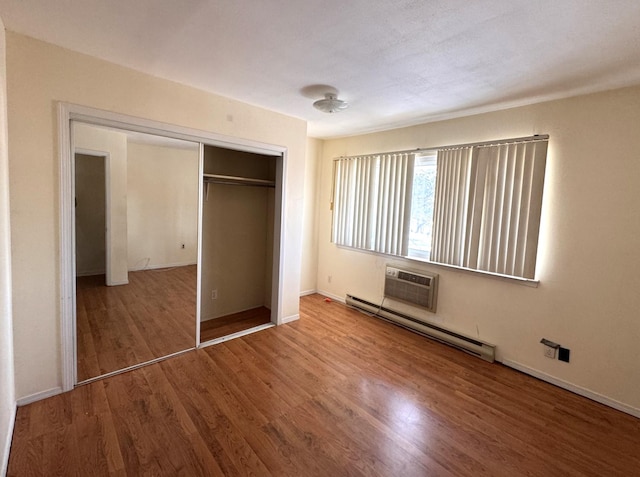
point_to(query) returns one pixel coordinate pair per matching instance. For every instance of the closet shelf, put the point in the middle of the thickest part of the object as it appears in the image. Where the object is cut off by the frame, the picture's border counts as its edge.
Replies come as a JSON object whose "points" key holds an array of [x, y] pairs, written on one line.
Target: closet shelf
{"points": [[235, 180]]}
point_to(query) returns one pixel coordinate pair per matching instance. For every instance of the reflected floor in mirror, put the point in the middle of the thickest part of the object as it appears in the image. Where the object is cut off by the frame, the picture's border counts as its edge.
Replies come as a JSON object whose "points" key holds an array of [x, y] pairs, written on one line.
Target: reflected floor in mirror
{"points": [[121, 326], [229, 324]]}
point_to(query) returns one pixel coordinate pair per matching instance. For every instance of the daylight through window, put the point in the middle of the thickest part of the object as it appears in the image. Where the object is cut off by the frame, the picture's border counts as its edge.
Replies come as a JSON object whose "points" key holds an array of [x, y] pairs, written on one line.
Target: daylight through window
{"points": [[472, 206], [421, 212]]}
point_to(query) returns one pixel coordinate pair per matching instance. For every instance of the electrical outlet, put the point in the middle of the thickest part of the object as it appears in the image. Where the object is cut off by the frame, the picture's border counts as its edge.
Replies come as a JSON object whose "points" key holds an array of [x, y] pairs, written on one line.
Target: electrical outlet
{"points": [[182, 246], [214, 294], [564, 354], [329, 278]]}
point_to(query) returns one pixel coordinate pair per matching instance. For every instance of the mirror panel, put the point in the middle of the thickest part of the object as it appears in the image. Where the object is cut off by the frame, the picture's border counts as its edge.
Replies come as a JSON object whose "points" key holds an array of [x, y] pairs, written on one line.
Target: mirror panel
{"points": [[136, 247]]}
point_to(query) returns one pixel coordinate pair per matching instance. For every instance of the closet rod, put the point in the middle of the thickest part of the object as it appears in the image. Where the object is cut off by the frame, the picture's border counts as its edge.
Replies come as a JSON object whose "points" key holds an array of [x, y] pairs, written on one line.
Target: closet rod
{"points": [[235, 180]]}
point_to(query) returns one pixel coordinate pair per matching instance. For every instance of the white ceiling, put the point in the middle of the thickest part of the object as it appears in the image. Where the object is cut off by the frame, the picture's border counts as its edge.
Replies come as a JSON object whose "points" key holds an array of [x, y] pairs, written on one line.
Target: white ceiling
{"points": [[397, 62]]}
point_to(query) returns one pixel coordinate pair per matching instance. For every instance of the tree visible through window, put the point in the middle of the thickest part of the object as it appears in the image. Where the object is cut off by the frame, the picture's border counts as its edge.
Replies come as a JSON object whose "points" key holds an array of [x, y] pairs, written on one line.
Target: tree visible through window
{"points": [[422, 199]]}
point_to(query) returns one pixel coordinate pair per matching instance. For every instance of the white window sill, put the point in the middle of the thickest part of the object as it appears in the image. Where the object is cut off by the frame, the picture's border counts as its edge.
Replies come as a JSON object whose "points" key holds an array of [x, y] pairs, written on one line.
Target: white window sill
{"points": [[519, 280], [507, 278]]}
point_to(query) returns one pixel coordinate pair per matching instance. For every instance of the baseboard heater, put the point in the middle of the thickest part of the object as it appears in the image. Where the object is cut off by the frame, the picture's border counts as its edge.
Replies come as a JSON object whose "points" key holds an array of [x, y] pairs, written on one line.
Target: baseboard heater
{"points": [[469, 345]]}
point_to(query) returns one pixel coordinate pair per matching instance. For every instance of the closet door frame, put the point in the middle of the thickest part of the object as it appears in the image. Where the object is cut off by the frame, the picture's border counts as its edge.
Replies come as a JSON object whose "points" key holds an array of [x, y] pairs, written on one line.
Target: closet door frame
{"points": [[68, 112]]}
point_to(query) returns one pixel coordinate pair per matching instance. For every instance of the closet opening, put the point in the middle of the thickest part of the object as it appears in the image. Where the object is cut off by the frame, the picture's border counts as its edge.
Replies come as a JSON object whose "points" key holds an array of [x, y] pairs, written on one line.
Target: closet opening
{"points": [[237, 251]]}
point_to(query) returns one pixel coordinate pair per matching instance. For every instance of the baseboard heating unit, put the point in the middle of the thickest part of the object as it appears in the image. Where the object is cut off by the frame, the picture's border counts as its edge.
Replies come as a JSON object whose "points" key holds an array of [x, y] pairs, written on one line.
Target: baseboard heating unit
{"points": [[467, 344]]}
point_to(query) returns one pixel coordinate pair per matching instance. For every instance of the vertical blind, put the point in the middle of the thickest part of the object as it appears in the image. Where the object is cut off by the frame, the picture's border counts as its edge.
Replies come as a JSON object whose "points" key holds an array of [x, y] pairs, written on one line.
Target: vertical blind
{"points": [[488, 206], [371, 202], [450, 206]]}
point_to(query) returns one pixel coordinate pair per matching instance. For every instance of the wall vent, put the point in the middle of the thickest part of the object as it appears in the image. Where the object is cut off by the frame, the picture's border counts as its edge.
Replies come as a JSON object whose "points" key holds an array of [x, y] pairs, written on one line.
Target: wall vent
{"points": [[415, 288]]}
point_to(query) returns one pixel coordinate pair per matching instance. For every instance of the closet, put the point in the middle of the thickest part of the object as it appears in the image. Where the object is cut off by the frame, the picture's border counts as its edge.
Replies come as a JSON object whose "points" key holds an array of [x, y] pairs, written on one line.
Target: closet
{"points": [[238, 203], [192, 242]]}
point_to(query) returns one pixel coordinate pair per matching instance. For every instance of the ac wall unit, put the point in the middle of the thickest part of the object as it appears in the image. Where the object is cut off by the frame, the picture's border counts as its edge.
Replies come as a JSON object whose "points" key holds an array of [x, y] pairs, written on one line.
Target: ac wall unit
{"points": [[417, 289]]}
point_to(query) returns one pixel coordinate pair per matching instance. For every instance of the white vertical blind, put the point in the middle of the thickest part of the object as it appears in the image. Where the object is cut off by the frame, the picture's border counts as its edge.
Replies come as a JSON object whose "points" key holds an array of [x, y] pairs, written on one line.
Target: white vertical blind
{"points": [[450, 206], [487, 204], [371, 202], [506, 197], [487, 207]]}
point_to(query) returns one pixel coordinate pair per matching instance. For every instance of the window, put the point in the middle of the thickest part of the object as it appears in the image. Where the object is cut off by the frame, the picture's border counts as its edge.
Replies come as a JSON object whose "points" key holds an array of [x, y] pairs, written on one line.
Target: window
{"points": [[421, 212], [473, 206], [370, 202]]}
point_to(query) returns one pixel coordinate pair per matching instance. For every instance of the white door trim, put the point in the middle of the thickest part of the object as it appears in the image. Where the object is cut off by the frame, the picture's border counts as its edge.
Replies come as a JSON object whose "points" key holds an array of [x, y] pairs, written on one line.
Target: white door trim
{"points": [[68, 112]]}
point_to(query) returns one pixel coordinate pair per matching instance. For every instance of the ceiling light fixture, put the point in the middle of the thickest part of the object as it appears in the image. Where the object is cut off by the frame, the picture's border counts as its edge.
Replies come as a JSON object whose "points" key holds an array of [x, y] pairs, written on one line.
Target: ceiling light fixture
{"points": [[330, 104]]}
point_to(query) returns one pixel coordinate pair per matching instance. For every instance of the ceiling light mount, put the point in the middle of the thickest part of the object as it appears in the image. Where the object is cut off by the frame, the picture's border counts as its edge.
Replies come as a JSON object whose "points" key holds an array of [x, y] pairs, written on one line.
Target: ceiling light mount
{"points": [[331, 104]]}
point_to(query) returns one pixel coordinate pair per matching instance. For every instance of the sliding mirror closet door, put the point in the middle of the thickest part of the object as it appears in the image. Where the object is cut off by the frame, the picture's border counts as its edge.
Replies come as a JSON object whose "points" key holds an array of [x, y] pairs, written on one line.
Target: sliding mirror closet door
{"points": [[136, 244], [237, 242]]}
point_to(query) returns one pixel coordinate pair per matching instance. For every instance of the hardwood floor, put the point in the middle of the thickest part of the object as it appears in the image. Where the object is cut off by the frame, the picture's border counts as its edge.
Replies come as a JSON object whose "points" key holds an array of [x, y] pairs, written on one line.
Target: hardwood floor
{"points": [[226, 325], [120, 326], [336, 393]]}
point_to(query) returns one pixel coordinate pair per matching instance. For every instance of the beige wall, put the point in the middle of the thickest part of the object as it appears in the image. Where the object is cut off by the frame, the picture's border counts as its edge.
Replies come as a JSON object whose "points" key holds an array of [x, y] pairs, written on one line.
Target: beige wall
{"points": [[310, 217], [589, 252], [154, 204], [113, 145], [234, 249], [7, 395], [162, 206], [39, 75]]}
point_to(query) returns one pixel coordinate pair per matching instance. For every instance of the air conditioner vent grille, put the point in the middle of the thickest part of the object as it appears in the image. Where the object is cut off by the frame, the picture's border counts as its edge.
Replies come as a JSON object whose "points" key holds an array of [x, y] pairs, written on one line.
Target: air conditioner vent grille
{"points": [[412, 277], [410, 287]]}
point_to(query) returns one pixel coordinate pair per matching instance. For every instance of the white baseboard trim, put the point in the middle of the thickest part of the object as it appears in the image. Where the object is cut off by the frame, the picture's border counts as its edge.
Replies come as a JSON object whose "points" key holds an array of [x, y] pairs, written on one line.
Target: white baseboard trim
{"points": [[573, 388], [289, 319], [341, 299], [160, 266], [7, 445], [38, 396], [308, 292]]}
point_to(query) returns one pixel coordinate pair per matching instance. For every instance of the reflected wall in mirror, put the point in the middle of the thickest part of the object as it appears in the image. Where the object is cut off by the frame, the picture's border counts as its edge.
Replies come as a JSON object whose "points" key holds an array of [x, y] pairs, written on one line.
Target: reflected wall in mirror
{"points": [[136, 210]]}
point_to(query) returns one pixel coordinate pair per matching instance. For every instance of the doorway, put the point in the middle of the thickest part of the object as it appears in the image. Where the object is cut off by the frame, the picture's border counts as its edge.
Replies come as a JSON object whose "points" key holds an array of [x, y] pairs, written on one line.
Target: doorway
{"points": [[90, 209]]}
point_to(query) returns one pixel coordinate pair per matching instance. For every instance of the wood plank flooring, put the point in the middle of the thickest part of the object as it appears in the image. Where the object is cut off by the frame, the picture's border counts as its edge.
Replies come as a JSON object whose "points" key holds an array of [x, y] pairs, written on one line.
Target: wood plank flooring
{"points": [[336, 393], [227, 325], [121, 326]]}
